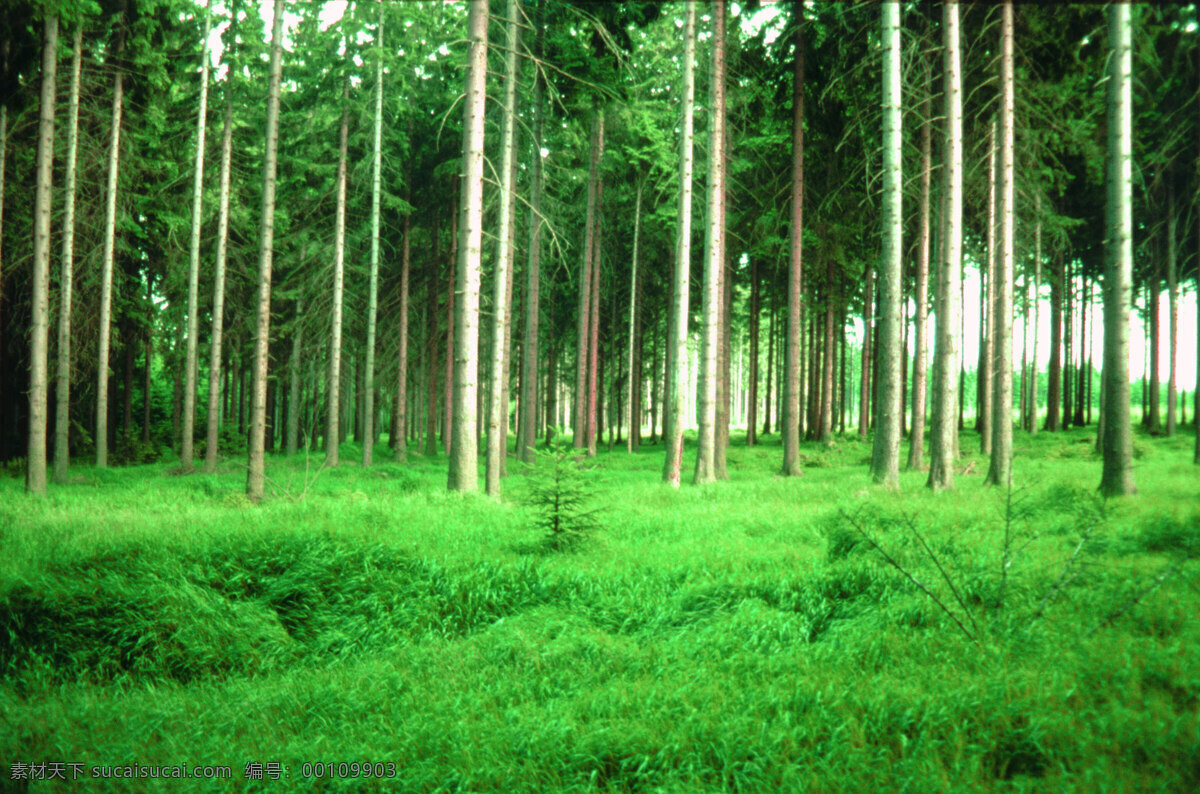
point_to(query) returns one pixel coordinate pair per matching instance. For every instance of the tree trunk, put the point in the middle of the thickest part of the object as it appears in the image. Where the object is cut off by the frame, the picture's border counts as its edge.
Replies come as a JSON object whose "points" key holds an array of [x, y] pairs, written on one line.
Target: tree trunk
{"points": [[186, 448], [1000, 470], [1037, 313], [529, 345], [752, 357], [713, 258], [1117, 477], [256, 475], [771, 364], [35, 473], [218, 310], [293, 415], [594, 376], [451, 344], [825, 415], [1154, 293], [885, 457], [1054, 376], [399, 444], [106, 268], [676, 375], [984, 389], [633, 394], [431, 342], [464, 468], [864, 381], [720, 463], [1172, 311], [792, 419], [62, 417], [916, 450], [579, 435], [943, 427], [332, 423], [502, 278]]}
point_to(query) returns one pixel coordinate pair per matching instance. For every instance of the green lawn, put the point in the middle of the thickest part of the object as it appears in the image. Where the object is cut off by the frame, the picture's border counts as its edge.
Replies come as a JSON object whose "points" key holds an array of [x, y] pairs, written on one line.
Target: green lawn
{"points": [[743, 636]]}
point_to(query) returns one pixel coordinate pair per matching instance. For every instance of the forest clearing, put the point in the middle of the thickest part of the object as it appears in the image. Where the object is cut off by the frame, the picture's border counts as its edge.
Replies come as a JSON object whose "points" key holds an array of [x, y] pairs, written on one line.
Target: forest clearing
{"points": [[738, 637]]}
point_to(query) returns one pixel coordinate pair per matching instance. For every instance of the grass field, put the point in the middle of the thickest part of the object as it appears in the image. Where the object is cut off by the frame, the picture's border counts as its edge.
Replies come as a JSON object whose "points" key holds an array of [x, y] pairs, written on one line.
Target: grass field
{"points": [[745, 636]]}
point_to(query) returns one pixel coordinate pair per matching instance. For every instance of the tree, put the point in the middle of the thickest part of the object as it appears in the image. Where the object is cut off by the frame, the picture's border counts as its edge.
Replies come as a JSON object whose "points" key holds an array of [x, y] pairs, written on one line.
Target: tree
{"points": [[943, 429], [193, 316], [106, 268], [332, 436], [1117, 476], [256, 471], [795, 325], [218, 305], [399, 444], [529, 345], [502, 279], [714, 260], [1000, 470], [35, 472], [885, 458], [921, 290], [62, 417], [676, 370], [464, 472]]}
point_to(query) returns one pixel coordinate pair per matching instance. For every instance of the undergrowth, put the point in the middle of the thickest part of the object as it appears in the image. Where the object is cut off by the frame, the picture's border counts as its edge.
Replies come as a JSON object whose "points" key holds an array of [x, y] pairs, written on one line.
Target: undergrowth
{"points": [[768, 634]]}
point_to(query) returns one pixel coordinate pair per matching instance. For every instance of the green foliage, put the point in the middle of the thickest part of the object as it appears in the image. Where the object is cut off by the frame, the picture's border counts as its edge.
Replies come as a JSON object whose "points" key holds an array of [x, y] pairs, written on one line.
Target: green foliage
{"points": [[559, 493]]}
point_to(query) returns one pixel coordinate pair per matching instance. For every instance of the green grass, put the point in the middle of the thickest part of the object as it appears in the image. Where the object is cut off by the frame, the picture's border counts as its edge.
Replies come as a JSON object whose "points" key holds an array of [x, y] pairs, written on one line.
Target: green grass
{"points": [[742, 636]]}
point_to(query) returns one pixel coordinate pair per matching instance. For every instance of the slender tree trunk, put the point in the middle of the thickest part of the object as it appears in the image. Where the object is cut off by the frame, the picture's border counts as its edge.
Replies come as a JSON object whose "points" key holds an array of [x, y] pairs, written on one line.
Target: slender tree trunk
{"points": [[149, 359], [885, 458], [464, 468], [293, 414], [398, 434], [984, 387], [35, 473], [256, 476], [400, 443], [1117, 477], [791, 420], [1172, 310], [62, 417], [451, 344], [631, 442], [916, 450], [825, 410], [720, 463], [585, 290], [188, 440], [943, 427], [594, 376], [502, 278], [332, 420], [770, 375], [1054, 375], [1000, 470], [675, 404], [431, 342], [106, 269], [1154, 294], [529, 346], [864, 382], [1037, 313], [752, 357], [218, 310], [713, 258]]}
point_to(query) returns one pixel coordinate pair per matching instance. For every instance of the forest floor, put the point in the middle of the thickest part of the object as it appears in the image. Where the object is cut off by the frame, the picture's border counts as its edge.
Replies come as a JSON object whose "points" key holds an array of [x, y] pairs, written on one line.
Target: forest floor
{"points": [[745, 636]]}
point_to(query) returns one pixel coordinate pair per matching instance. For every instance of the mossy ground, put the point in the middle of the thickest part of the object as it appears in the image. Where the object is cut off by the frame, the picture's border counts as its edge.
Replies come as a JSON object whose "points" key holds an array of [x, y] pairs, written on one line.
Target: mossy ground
{"points": [[741, 636]]}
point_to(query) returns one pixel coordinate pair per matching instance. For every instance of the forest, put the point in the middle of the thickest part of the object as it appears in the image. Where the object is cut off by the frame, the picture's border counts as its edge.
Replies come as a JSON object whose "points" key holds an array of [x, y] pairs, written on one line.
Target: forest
{"points": [[581, 395]]}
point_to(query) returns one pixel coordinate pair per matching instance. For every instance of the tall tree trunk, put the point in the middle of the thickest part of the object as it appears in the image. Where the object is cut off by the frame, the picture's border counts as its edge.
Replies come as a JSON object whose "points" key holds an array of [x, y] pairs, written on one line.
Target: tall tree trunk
{"points": [[256, 475], [106, 268], [771, 364], [332, 423], [431, 342], [295, 362], [713, 255], [1068, 375], [35, 472], [451, 344], [825, 411], [720, 463], [594, 378], [1117, 477], [1054, 375], [1172, 310], [675, 405], [529, 345], [885, 457], [1000, 470], [62, 416], [752, 357], [916, 450], [400, 443], [464, 468], [580, 424], [865, 357], [502, 278], [218, 310], [987, 347], [1037, 313], [633, 395], [943, 427], [791, 421], [186, 448], [1154, 294]]}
